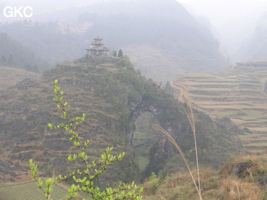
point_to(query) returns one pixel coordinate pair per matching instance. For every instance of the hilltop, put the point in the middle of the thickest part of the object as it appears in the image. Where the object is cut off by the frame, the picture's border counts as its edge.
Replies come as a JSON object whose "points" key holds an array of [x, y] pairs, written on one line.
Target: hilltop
{"points": [[114, 96]]}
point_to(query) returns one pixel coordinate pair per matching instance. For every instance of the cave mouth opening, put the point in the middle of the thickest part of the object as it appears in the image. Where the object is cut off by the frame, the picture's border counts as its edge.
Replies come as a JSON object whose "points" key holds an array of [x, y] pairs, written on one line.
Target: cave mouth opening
{"points": [[145, 137]]}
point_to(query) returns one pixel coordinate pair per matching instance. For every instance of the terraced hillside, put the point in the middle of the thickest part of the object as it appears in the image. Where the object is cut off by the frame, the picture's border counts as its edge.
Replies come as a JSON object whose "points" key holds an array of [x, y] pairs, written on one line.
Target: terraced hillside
{"points": [[28, 190], [237, 93]]}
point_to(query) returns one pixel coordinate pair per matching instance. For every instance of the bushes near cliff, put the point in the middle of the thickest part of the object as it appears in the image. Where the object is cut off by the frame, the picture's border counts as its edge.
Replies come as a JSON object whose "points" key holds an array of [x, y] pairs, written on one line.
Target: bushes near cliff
{"points": [[249, 183]]}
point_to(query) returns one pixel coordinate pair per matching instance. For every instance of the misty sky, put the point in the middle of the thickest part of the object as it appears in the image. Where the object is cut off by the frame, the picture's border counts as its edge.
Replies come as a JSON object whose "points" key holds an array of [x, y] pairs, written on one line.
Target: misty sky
{"points": [[218, 12], [222, 11], [232, 20]]}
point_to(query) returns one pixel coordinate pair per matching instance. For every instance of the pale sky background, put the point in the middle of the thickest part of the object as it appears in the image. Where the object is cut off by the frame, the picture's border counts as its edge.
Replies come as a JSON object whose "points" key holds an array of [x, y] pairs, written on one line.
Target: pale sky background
{"points": [[233, 21], [221, 11]]}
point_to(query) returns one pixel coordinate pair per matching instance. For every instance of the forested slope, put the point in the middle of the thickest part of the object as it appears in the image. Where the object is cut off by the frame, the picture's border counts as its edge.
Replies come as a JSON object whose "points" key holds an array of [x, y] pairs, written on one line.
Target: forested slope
{"points": [[111, 93]]}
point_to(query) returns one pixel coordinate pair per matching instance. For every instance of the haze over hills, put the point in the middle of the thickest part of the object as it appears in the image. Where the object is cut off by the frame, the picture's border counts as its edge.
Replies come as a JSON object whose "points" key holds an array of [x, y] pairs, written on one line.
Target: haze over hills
{"points": [[232, 22], [162, 26], [15, 54], [255, 47], [165, 26], [230, 29], [45, 41]]}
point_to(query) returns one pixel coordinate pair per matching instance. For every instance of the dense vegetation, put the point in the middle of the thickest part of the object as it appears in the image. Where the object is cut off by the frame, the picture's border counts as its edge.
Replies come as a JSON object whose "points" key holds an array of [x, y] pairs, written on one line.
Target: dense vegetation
{"points": [[108, 90]]}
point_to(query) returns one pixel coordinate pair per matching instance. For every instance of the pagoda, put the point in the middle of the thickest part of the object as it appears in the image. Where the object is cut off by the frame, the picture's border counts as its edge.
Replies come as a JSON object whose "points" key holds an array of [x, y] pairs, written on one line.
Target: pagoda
{"points": [[97, 48]]}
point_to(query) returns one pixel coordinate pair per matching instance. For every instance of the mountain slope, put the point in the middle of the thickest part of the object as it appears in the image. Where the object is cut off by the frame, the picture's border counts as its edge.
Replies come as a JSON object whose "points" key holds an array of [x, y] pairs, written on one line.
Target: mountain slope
{"points": [[10, 76], [113, 95]]}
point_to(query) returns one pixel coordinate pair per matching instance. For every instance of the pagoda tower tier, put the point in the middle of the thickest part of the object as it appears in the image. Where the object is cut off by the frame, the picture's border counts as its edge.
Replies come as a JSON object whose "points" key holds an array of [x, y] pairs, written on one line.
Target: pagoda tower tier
{"points": [[97, 48]]}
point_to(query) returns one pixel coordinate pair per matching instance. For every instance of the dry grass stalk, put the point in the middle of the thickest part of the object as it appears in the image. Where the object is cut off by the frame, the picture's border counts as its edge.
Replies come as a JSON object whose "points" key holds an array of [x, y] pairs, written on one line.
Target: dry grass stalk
{"points": [[238, 191], [161, 197], [170, 138], [191, 119]]}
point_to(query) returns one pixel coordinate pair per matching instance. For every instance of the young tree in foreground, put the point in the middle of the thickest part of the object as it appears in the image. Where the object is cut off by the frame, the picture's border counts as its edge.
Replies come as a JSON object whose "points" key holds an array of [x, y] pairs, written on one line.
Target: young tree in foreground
{"points": [[84, 178]]}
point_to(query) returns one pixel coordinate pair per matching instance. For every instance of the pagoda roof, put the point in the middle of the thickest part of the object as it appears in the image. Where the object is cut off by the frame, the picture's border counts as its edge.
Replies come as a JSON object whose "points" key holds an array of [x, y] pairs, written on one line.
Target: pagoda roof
{"points": [[97, 47], [98, 38], [97, 43], [93, 48]]}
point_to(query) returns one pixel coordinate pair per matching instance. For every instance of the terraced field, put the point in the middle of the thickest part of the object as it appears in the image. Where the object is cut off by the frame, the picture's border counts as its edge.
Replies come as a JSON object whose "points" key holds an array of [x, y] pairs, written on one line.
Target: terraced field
{"points": [[29, 190], [237, 93]]}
